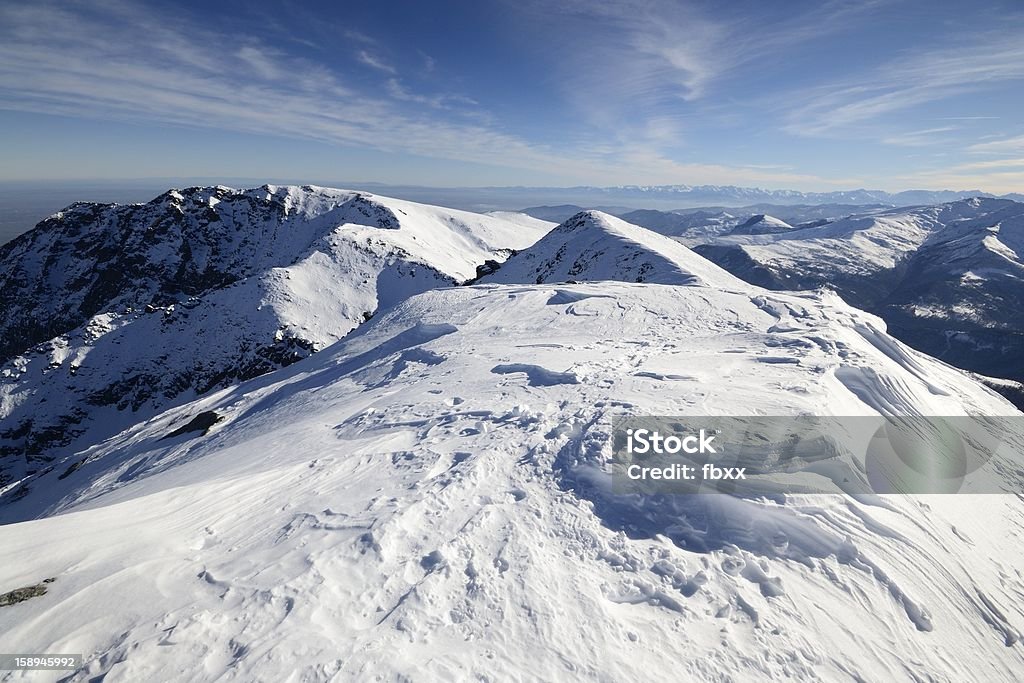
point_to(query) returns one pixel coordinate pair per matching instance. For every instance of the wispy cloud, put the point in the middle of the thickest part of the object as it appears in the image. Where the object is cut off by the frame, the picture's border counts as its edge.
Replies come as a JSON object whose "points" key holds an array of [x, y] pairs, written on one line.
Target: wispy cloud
{"points": [[359, 37], [995, 181], [920, 138], [116, 62], [647, 73], [262, 62], [429, 63], [439, 101], [995, 163], [375, 62], [1013, 145], [992, 175], [56, 60], [908, 82], [665, 48]]}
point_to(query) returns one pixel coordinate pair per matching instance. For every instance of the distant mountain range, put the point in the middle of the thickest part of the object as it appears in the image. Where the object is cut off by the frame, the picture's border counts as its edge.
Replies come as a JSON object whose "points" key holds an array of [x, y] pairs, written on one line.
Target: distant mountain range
{"points": [[675, 222], [731, 193], [690, 196], [945, 278]]}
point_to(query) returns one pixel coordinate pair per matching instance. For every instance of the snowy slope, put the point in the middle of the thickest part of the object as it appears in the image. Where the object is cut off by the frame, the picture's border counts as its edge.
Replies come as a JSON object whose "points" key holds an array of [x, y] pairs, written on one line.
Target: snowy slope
{"points": [[110, 313], [423, 500], [761, 224], [947, 278], [597, 246], [533, 225], [857, 255], [962, 293]]}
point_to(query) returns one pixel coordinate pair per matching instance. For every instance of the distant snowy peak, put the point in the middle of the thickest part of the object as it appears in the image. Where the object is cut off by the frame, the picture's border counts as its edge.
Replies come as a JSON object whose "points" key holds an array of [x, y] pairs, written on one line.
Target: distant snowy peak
{"points": [[679, 224], [761, 224], [597, 246]]}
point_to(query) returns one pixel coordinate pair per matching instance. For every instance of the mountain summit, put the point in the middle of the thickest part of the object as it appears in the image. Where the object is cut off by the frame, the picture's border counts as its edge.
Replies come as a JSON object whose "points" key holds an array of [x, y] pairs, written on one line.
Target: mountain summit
{"points": [[597, 246]]}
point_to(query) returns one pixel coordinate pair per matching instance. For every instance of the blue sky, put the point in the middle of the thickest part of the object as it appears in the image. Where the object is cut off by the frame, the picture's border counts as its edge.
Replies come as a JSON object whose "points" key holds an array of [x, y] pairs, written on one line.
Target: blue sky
{"points": [[889, 94]]}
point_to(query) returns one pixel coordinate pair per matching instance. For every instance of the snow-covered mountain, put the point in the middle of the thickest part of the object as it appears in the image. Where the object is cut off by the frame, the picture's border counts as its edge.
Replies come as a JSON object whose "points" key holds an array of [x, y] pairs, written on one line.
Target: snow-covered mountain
{"points": [[597, 246], [426, 500], [700, 224], [761, 224], [110, 313], [947, 278]]}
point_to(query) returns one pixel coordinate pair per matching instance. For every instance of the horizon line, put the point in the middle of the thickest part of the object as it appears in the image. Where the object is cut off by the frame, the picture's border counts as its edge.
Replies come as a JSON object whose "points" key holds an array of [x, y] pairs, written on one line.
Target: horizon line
{"points": [[211, 180]]}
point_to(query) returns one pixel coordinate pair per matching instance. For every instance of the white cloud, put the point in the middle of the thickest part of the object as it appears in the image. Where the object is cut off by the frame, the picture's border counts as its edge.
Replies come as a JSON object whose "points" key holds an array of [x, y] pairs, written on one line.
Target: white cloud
{"points": [[996, 163], [908, 82], [429, 63], [1013, 145], [262, 63], [920, 138], [375, 62], [359, 37], [398, 91], [993, 175], [117, 62], [128, 65]]}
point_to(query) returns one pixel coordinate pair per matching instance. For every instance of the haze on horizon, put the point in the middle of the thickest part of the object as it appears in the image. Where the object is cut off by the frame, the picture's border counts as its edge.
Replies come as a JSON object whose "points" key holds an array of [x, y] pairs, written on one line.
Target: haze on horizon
{"points": [[887, 94]]}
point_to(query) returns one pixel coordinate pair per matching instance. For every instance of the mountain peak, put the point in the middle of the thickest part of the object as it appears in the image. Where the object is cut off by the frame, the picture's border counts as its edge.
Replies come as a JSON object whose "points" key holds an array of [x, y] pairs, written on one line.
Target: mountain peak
{"points": [[761, 224], [593, 245]]}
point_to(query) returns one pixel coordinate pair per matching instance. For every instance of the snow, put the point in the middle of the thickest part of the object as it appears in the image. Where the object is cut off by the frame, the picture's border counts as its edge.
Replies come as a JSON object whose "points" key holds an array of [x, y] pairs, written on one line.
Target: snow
{"points": [[593, 245], [947, 278], [524, 220], [427, 499], [761, 224], [404, 493], [297, 269]]}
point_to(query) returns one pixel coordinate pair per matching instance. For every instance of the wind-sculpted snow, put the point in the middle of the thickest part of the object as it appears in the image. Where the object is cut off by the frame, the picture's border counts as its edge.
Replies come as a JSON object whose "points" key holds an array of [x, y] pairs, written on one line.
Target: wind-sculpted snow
{"points": [[108, 314], [948, 279], [421, 501]]}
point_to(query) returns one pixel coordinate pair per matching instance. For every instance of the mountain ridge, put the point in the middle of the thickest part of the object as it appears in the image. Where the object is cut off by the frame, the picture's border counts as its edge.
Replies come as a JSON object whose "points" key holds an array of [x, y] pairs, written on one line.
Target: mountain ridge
{"points": [[593, 245], [947, 278], [112, 312]]}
